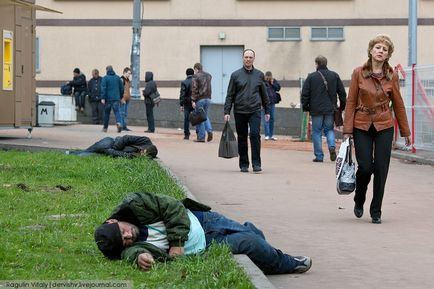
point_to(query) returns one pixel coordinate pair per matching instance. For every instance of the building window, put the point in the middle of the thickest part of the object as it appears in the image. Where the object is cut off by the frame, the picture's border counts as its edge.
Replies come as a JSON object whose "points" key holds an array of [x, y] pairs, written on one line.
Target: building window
{"points": [[327, 33], [284, 33], [37, 56]]}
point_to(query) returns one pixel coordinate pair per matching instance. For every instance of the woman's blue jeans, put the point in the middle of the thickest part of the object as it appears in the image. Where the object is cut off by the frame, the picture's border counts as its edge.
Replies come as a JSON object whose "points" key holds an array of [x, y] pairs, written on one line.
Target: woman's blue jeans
{"points": [[249, 240]]}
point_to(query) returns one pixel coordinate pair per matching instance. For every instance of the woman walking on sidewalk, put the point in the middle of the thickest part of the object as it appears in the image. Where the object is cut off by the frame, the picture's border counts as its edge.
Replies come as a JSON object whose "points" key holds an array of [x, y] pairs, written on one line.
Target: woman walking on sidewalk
{"points": [[368, 118]]}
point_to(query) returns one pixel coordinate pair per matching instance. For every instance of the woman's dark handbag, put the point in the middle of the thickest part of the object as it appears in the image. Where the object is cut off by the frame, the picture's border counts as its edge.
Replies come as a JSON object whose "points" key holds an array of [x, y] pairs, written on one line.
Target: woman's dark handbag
{"points": [[339, 121], [345, 169], [197, 116], [228, 147]]}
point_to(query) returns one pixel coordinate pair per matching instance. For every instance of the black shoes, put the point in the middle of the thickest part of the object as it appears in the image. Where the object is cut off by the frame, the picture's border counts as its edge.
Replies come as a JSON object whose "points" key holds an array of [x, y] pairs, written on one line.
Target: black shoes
{"points": [[257, 169], [332, 154], [209, 137], [119, 127], [315, 160], [187, 136], [376, 220], [358, 212], [199, 140], [126, 129]]}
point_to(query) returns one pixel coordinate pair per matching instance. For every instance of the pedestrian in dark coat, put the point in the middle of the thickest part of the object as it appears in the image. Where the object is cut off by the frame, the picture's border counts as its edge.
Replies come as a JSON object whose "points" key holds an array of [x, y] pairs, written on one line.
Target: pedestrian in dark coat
{"points": [[185, 101], [112, 90], [94, 90], [319, 97], [151, 87]]}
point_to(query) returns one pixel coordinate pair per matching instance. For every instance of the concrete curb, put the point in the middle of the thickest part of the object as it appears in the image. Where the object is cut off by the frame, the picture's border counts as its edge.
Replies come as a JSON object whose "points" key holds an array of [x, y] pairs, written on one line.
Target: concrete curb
{"points": [[15, 147], [256, 276], [425, 160]]}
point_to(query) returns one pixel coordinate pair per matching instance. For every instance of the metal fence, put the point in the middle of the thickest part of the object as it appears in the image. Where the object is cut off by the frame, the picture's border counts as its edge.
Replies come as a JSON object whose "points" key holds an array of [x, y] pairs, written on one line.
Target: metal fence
{"points": [[417, 89]]}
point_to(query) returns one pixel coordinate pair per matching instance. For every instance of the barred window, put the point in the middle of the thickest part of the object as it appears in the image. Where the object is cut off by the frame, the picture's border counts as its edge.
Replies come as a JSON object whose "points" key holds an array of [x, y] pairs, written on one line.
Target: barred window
{"points": [[327, 33], [284, 33]]}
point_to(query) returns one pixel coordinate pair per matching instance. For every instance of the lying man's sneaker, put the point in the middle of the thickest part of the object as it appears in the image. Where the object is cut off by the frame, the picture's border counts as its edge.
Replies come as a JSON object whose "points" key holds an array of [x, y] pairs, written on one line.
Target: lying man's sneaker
{"points": [[303, 264]]}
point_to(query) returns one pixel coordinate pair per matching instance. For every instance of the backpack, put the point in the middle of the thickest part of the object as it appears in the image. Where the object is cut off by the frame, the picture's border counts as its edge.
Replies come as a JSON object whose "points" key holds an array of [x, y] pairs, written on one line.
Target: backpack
{"points": [[66, 89]]}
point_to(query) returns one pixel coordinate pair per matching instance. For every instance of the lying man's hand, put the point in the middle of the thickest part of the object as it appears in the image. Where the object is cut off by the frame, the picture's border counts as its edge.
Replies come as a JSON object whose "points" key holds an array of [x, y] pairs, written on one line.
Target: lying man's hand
{"points": [[145, 261], [176, 251]]}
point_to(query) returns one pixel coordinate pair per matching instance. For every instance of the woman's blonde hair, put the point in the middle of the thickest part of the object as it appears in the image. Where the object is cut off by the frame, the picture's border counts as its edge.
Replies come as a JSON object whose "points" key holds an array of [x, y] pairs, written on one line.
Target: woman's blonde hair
{"points": [[385, 39], [381, 38]]}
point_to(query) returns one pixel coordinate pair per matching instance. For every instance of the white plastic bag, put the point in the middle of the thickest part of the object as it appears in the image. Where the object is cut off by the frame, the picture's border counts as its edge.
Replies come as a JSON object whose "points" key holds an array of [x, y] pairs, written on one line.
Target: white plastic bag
{"points": [[345, 169]]}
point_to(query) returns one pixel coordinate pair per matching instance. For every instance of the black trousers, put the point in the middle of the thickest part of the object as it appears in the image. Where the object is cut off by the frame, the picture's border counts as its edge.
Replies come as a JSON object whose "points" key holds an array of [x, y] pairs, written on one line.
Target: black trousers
{"points": [[150, 116], [187, 110], [373, 150], [244, 121], [97, 112]]}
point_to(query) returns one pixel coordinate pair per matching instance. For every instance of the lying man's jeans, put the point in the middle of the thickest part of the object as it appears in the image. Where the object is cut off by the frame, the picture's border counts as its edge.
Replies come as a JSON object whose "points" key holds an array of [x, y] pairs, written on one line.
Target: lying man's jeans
{"points": [[98, 147], [249, 240]]}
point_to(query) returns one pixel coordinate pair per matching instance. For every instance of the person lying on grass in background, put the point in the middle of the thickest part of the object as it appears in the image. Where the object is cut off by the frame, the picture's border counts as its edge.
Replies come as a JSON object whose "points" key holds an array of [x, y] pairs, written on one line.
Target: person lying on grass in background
{"points": [[128, 146], [147, 227]]}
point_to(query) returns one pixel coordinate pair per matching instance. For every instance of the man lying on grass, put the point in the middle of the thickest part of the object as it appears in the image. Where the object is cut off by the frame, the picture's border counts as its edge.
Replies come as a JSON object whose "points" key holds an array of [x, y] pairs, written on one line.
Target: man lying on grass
{"points": [[147, 227], [127, 146]]}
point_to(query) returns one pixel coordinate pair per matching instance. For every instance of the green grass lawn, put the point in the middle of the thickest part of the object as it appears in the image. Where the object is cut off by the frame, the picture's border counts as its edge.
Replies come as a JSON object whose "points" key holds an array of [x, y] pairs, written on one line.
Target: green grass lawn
{"points": [[51, 204]]}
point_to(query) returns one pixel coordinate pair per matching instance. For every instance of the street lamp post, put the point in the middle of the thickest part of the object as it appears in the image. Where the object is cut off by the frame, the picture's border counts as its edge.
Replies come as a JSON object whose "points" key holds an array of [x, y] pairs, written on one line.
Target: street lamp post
{"points": [[412, 32], [135, 49]]}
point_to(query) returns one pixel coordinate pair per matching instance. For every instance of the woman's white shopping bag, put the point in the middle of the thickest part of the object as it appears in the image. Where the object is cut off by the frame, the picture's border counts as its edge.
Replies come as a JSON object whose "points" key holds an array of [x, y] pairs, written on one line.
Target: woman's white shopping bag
{"points": [[345, 169]]}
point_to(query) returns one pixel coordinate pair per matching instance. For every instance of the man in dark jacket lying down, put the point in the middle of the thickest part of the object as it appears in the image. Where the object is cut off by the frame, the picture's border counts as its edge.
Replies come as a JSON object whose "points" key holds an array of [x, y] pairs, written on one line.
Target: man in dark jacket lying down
{"points": [[128, 146], [147, 227]]}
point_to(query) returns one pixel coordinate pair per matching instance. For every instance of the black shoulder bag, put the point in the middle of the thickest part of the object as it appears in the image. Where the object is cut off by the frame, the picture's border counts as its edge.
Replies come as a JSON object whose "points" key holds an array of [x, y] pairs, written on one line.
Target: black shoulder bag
{"points": [[339, 121]]}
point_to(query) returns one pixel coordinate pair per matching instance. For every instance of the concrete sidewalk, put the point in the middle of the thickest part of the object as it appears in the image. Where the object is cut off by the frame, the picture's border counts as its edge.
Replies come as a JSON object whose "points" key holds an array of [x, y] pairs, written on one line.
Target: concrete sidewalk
{"points": [[295, 202]]}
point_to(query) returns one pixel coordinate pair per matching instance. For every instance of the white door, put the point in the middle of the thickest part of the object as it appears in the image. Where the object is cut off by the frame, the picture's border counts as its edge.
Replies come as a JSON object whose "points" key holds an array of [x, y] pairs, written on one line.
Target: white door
{"points": [[220, 62]]}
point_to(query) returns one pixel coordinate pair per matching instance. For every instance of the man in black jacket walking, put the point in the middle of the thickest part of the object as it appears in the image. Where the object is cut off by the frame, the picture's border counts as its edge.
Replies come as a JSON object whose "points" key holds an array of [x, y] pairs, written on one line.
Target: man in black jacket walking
{"points": [[185, 100], [248, 94], [318, 96]]}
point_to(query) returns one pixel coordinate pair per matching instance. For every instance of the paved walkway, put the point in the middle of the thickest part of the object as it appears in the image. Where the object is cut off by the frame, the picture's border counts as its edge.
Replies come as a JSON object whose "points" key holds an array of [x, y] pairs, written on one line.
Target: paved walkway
{"points": [[295, 202]]}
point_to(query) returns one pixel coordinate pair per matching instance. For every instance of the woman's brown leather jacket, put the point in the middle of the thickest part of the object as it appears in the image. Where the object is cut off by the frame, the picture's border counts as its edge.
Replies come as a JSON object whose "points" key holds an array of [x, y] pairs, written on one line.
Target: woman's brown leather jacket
{"points": [[369, 102]]}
